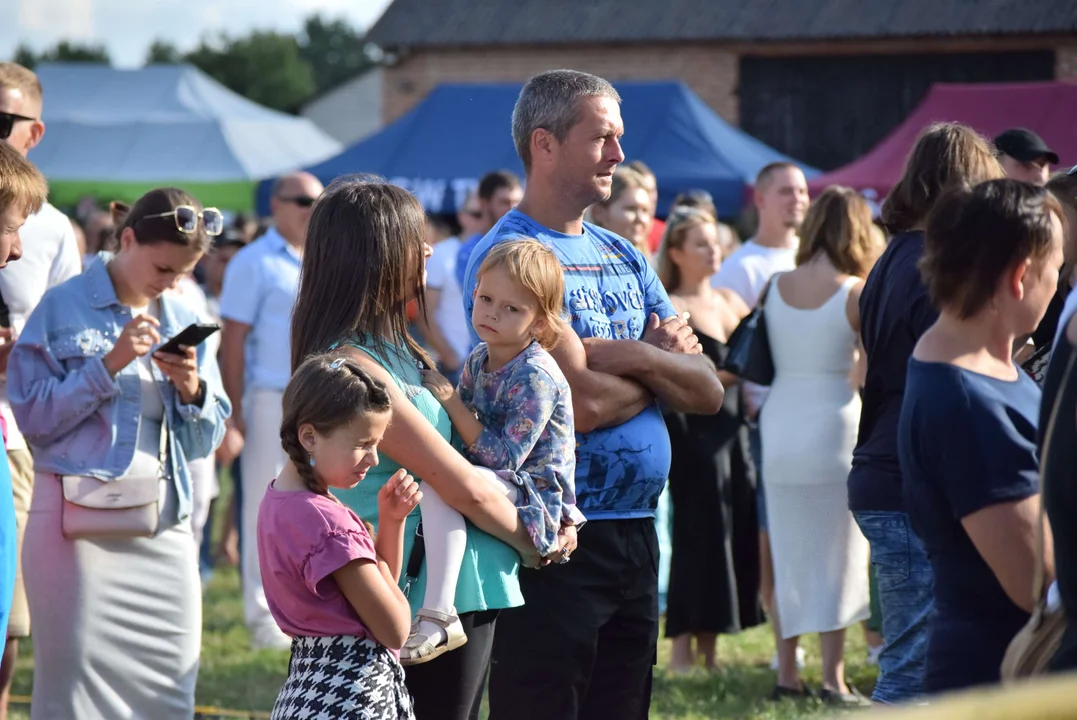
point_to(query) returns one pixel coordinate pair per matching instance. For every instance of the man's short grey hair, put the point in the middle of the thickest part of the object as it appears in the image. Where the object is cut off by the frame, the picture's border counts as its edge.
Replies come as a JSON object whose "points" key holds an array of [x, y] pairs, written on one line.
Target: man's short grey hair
{"points": [[551, 101]]}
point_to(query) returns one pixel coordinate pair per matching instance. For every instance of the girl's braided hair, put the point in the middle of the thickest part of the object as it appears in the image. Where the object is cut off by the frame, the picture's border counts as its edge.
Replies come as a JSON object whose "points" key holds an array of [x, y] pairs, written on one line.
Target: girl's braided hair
{"points": [[327, 391]]}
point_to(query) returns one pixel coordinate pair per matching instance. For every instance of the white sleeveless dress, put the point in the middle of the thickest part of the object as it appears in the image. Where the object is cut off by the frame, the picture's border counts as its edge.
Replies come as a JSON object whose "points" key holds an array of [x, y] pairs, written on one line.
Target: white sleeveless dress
{"points": [[809, 427]]}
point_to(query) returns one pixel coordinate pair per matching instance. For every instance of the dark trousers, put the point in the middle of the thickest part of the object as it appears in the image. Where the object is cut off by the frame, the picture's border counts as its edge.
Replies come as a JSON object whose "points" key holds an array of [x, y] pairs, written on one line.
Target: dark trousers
{"points": [[585, 643], [450, 688], [237, 491]]}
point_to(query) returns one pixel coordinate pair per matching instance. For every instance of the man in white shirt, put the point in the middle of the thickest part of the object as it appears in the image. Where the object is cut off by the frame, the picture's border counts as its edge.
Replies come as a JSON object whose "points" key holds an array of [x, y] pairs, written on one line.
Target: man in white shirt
{"points": [[781, 201], [50, 257], [260, 286], [448, 328]]}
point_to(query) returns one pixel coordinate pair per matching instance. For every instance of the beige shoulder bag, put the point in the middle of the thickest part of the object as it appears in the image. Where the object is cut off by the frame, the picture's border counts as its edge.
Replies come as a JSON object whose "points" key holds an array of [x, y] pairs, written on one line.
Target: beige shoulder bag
{"points": [[126, 507], [1032, 648]]}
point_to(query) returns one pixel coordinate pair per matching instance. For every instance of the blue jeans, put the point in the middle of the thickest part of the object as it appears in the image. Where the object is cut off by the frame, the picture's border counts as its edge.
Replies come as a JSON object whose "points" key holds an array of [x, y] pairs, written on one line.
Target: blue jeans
{"points": [[905, 594]]}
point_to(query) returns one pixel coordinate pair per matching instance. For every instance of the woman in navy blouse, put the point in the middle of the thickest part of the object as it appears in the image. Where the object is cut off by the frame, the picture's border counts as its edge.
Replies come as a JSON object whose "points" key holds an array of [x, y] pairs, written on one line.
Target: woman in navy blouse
{"points": [[967, 434]]}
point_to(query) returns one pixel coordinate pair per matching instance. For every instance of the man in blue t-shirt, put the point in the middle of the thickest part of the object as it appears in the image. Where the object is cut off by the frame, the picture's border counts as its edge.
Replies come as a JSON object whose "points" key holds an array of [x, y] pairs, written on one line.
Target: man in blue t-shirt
{"points": [[585, 642]]}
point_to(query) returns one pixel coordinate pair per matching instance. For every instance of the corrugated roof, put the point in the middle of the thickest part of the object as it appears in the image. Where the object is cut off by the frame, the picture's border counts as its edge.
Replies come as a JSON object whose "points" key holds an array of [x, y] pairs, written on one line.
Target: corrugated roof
{"points": [[421, 23]]}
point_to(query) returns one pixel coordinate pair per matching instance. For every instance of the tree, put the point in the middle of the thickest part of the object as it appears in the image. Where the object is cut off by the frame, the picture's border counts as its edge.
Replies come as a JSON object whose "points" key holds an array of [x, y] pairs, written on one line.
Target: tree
{"points": [[265, 67], [64, 51], [70, 52], [335, 50], [25, 56], [163, 52]]}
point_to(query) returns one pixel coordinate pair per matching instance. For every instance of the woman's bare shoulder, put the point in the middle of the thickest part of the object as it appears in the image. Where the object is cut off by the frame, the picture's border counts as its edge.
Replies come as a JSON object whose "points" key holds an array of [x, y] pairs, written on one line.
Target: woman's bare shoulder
{"points": [[736, 305]]}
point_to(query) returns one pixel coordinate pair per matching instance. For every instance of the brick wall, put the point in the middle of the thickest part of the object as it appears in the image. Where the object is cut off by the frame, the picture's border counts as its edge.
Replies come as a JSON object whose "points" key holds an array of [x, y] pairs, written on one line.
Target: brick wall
{"points": [[709, 70]]}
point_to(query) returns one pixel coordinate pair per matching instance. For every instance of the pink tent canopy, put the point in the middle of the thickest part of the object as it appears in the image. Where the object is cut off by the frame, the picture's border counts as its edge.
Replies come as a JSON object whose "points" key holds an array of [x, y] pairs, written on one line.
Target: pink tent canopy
{"points": [[1047, 108]]}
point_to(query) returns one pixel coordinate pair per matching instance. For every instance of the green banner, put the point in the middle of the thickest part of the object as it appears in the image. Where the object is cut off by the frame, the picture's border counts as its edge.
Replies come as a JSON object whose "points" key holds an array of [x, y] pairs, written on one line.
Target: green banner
{"points": [[234, 196]]}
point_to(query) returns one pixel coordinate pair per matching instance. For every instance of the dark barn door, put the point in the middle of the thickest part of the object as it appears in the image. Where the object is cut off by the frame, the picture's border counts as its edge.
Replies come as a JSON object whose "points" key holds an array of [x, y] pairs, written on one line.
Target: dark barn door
{"points": [[828, 111]]}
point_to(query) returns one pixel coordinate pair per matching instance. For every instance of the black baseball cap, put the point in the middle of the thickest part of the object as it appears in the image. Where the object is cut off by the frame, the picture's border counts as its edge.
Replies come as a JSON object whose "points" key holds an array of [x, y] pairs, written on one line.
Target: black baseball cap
{"points": [[231, 237], [1024, 145]]}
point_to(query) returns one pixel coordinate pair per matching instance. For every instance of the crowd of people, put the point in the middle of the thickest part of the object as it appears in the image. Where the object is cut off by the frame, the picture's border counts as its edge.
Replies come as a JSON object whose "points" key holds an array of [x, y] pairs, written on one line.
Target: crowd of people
{"points": [[449, 437]]}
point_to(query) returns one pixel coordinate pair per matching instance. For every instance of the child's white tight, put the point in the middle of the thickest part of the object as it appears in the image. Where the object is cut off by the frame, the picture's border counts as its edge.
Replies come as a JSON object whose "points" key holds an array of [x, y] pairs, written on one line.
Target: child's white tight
{"points": [[446, 538]]}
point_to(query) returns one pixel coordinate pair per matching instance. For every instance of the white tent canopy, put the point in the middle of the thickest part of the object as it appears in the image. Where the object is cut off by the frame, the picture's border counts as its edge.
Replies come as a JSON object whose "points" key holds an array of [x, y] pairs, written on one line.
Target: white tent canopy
{"points": [[165, 122]]}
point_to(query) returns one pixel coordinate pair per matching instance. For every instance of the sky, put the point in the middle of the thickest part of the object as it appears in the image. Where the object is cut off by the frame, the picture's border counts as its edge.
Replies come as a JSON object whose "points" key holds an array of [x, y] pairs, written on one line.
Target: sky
{"points": [[128, 27]]}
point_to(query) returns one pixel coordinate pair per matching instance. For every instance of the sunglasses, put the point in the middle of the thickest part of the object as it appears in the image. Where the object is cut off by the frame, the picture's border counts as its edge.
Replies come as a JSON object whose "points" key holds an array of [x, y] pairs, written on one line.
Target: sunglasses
{"points": [[680, 213], [303, 201], [187, 219], [7, 123]]}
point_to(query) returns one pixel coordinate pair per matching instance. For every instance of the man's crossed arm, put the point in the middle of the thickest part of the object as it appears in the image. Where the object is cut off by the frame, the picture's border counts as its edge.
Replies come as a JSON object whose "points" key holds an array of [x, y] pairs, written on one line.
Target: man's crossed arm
{"points": [[612, 381]]}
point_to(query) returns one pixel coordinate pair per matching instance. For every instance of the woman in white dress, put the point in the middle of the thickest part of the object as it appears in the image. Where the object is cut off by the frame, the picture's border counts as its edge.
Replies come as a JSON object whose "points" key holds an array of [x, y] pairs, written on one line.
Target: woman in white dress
{"points": [[809, 428]]}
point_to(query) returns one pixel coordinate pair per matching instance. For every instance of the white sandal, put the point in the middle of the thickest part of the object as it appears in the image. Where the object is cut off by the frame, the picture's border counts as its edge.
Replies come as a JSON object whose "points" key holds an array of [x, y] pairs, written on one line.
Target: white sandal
{"points": [[421, 648]]}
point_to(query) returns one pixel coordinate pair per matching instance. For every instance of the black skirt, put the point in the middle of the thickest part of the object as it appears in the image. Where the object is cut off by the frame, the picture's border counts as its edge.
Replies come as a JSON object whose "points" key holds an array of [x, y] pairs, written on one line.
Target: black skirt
{"points": [[714, 567], [343, 677]]}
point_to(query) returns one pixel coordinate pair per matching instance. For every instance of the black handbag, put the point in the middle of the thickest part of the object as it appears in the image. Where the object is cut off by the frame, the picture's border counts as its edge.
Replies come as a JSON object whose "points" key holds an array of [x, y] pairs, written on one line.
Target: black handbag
{"points": [[749, 355]]}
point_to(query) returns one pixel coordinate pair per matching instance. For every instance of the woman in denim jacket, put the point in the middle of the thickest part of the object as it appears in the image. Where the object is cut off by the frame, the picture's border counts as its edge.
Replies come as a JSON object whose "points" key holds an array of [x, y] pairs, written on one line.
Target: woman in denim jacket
{"points": [[118, 621]]}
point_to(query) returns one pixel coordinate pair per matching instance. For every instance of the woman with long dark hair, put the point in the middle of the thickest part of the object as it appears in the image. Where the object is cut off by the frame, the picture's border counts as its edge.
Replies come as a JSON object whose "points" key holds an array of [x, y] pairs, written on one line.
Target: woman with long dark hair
{"points": [[363, 263]]}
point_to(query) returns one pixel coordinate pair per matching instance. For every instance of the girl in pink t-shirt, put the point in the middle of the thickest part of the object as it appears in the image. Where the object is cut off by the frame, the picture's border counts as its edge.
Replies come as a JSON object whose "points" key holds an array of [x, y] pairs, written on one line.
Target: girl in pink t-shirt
{"points": [[328, 582]]}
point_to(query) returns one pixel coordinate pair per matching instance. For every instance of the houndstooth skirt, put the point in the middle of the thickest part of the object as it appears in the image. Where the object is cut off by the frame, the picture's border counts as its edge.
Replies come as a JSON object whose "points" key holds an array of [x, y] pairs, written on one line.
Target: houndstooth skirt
{"points": [[342, 677]]}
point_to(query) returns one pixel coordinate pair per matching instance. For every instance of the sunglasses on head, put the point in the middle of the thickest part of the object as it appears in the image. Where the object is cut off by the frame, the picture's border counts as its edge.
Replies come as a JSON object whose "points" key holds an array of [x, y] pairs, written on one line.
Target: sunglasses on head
{"points": [[7, 123], [187, 219], [680, 213], [303, 201]]}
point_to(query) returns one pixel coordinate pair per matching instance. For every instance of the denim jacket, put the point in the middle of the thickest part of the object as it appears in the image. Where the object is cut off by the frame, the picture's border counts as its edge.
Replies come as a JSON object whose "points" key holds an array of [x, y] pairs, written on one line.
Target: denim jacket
{"points": [[79, 420]]}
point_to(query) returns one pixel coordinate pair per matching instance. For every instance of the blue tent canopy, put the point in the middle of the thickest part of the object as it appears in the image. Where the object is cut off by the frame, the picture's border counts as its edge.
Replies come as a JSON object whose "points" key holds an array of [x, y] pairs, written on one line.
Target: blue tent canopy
{"points": [[165, 122], [460, 132]]}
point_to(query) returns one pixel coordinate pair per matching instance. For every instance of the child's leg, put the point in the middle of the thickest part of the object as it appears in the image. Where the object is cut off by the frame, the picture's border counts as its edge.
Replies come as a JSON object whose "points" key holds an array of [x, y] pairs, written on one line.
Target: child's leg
{"points": [[446, 537], [506, 486]]}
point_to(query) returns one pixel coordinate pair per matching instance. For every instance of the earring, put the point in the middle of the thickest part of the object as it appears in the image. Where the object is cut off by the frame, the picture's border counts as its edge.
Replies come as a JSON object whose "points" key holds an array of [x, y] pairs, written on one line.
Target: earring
{"points": [[312, 461]]}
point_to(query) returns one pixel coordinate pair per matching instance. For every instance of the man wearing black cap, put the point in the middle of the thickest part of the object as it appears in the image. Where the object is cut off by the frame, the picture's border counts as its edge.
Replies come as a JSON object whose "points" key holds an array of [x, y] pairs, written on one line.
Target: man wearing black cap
{"points": [[1025, 156]]}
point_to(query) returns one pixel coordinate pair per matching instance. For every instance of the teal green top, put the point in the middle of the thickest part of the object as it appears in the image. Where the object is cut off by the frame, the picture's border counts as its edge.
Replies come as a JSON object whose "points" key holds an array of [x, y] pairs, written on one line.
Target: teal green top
{"points": [[488, 575]]}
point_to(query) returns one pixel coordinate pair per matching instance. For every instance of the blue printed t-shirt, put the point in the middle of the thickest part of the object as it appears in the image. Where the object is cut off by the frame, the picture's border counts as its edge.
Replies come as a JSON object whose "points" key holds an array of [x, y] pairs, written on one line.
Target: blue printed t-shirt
{"points": [[462, 256], [966, 441], [610, 290], [895, 311]]}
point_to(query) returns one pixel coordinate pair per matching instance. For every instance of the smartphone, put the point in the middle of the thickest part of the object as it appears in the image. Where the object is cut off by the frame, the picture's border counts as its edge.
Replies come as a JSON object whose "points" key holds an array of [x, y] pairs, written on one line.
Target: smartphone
{"points": [[191, 336]]}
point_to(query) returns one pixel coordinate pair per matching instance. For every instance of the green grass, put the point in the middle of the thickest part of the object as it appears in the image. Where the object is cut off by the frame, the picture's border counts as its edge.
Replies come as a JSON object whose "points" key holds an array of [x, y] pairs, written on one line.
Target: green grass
{"points": [[233, 677]]}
